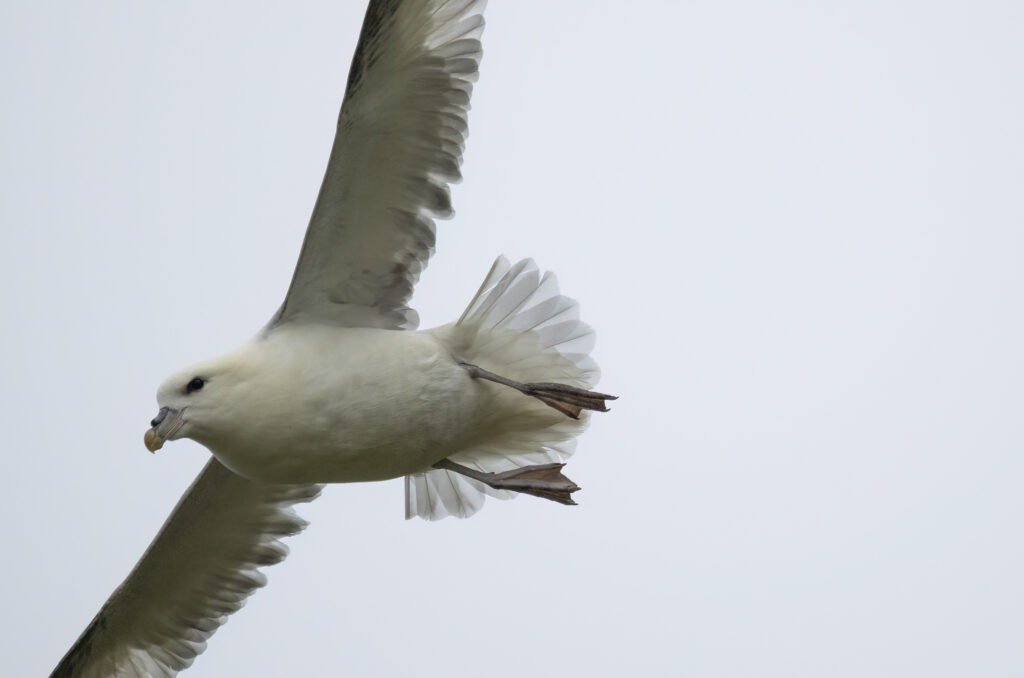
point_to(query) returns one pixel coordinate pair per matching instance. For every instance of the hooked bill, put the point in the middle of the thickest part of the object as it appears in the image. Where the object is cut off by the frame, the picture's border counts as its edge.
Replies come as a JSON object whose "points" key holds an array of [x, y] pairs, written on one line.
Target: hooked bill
{"points": [[153, 441]]}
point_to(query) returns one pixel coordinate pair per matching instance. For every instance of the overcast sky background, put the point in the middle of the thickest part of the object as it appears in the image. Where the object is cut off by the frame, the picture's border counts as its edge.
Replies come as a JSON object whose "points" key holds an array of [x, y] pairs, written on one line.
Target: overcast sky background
{"points": [[797, 227]]}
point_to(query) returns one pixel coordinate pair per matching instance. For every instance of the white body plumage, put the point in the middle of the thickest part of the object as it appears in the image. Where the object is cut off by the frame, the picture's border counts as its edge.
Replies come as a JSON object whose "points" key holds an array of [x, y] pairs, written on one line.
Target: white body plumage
{"points": [[313, 402]]}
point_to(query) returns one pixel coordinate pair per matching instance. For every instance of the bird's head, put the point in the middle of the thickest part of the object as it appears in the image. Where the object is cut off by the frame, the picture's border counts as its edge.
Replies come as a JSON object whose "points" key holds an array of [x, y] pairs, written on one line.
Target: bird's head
{"points": [[192, 401]]}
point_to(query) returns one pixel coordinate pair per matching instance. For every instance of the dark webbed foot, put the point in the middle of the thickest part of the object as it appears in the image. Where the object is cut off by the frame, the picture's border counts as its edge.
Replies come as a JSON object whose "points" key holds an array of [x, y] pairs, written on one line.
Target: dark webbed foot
{"points": [[542, 480], [569, 400]]}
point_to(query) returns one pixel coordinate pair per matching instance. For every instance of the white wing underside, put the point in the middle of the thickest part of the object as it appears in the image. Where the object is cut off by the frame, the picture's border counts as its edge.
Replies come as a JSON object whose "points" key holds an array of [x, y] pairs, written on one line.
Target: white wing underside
{"points": [[201, 567], [519, 326], [399, 143]]}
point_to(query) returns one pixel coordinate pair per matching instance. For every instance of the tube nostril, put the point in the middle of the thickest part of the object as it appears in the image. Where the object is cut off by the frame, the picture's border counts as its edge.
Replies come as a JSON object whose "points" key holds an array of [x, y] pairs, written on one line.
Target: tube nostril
{"points": [[160, 416]]}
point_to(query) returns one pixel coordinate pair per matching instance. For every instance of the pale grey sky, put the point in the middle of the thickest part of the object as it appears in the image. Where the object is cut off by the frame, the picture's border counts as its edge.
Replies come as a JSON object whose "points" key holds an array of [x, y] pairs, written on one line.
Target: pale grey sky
{"points": [[797, 227]]}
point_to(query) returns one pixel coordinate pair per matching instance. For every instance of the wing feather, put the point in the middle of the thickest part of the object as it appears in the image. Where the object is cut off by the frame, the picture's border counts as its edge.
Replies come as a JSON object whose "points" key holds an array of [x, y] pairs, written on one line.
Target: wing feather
{"points": [[399, 142], [201, 567]]}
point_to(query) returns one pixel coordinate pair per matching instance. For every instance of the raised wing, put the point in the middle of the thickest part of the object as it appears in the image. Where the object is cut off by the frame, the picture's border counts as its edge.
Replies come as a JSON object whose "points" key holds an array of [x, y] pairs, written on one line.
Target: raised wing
{"points": [[200, 568], [399, 143]]}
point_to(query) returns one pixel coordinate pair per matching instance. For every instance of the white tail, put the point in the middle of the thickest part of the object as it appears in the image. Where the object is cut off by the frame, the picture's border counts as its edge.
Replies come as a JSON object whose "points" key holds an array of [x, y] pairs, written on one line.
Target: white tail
{"points": [[518, 326]]}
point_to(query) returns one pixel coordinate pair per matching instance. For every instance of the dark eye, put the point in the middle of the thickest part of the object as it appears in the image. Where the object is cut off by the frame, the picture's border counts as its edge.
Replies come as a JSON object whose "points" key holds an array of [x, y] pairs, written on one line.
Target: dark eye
{"points": [[194, 385]]}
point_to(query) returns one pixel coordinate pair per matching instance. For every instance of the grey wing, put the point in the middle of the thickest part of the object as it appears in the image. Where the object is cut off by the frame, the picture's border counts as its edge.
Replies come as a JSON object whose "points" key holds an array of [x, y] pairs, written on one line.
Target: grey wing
{"points": [[200, 568], [398, 146]]}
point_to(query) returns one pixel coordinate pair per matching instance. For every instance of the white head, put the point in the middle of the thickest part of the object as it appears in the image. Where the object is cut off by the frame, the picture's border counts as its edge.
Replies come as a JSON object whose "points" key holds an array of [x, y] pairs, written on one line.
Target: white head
{"points": [[195, 402]]}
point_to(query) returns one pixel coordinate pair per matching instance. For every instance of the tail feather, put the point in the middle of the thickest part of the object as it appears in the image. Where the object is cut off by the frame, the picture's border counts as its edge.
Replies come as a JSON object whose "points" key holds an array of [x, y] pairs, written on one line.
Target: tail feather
{"points": [[520, 326], [438, 494]]}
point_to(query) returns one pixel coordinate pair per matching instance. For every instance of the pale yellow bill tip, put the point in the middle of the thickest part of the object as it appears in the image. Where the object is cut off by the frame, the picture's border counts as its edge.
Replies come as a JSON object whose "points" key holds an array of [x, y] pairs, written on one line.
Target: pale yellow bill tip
{"points": [[153, 441]]}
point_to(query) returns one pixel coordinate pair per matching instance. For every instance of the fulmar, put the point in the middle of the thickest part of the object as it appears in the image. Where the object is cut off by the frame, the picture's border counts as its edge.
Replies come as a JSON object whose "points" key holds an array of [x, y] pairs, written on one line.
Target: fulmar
{"points": [[339, 386]]}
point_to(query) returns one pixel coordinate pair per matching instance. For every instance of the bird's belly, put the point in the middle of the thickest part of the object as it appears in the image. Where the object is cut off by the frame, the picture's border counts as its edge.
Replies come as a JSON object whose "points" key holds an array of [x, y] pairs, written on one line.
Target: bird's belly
{"points": [[380, 404]]}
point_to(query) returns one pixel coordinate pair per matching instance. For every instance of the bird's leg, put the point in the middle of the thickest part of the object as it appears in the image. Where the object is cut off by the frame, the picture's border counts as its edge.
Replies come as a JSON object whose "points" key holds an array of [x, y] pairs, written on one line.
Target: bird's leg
{"points": [[542, 480], [568, 400]]}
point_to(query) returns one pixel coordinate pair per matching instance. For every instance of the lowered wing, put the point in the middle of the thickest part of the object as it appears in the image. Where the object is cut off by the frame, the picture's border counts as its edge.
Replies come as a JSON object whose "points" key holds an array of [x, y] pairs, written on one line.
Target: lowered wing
{"points": [[201, 567], [398, 146]]}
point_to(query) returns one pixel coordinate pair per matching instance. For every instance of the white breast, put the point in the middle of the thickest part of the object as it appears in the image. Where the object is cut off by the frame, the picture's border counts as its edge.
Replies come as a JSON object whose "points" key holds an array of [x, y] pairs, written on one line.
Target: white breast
{"points": [[346, 404]]}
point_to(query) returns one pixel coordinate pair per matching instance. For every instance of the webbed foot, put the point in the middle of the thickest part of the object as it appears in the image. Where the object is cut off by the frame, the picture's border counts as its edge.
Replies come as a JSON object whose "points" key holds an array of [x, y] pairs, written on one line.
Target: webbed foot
{"points": [[569, 400], [542, 480]]}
